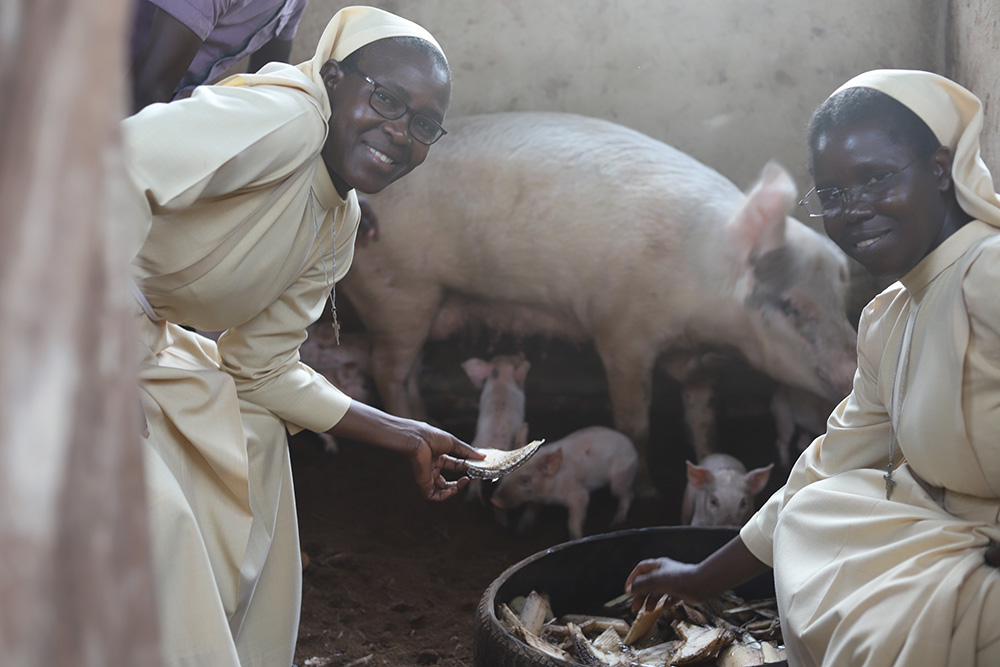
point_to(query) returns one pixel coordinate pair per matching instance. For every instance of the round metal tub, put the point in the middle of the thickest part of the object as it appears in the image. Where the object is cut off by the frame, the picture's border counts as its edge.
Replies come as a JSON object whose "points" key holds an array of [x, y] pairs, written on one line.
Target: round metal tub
{"points": [[586, 572]]}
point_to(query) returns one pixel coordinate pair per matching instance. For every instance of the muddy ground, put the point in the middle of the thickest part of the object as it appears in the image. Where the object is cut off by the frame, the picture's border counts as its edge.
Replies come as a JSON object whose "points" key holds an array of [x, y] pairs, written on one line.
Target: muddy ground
{"points": [[395, 580]]}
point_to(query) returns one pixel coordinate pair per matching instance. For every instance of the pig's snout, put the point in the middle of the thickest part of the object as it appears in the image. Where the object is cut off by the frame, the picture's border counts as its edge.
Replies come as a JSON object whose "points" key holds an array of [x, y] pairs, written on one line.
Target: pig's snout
{"points": [[838, 380]]}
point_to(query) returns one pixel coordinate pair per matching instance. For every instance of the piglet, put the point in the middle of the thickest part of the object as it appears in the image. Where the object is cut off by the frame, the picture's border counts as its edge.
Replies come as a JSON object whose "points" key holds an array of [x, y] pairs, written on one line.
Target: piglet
{"points": [[720, 491], [500, 424], [566, 471]]}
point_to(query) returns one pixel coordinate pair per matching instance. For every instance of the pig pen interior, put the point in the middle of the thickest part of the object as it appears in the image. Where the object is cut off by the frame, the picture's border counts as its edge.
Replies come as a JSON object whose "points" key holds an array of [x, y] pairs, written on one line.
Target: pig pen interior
{"points": [[395, 580]]}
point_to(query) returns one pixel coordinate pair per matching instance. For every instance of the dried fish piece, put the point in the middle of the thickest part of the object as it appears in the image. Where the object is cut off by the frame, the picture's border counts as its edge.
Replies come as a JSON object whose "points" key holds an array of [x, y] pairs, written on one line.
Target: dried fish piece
{"points": [[499, 462], [560, 631], [509, 619], [548, 649], [657, 655], [770, 653], [609, 640], [618, 601], [644, 621], [700, 643], [740, 655], [764, 628], [599, 623], [592, 655], [513, 623], [695, 615], [535, 612]]}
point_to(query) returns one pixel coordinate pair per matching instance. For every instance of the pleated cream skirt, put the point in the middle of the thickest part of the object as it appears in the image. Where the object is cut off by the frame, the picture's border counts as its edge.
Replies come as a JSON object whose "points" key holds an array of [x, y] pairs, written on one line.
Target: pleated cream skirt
{"points": [[221, 509], [863, 581]]}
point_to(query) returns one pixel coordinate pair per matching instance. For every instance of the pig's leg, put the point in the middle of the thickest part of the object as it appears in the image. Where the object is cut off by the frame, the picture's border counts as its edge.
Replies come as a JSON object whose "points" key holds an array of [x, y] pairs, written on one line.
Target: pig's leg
{"points": [[621, 488], [398, 328], [576, 502], [394, 365], [630, 388], [785, 426], [699, 414], [624, 503]]}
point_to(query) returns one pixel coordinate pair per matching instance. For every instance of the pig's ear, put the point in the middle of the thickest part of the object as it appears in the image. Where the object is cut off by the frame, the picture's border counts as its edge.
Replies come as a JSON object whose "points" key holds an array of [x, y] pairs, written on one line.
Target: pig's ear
{"points": [[552, 463], [756, 479], [477, 370], [759, 225], [698, 476]]}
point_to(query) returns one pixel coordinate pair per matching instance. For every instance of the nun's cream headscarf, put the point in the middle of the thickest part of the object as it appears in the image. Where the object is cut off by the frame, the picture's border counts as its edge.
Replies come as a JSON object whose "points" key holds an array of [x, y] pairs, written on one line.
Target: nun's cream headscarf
{"points": [[955, 116], [348, 30]]}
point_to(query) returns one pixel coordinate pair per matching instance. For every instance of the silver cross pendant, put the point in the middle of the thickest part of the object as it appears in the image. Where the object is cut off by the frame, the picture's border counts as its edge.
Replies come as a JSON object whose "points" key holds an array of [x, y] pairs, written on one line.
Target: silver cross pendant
{"points": [[889, 484]]}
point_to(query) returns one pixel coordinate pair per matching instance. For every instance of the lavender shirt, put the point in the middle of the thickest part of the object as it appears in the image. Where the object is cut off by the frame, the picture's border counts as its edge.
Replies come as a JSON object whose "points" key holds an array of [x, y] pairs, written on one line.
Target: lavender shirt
{"points": [[230, 30]]}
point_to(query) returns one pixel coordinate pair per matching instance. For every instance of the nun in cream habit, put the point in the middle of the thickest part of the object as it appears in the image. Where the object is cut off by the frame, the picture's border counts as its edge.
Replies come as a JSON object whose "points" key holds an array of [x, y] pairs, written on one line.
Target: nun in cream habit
{"points": [[246, 232], [883, 540], [864, 580]]}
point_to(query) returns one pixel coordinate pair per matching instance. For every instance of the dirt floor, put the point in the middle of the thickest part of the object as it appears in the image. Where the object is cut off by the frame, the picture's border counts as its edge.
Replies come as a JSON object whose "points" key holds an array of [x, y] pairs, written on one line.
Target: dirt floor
{"points": [[395, 580]]}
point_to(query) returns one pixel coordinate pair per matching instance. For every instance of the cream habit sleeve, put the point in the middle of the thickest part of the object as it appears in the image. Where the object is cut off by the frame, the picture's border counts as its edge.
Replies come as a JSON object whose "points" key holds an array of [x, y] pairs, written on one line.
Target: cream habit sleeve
{"points": [[262, 357]]}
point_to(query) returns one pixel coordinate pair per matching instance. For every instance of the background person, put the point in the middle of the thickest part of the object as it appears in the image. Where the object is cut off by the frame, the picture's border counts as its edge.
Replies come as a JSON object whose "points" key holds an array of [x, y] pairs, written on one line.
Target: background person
{"points": [[883, 541], [179, 44]]}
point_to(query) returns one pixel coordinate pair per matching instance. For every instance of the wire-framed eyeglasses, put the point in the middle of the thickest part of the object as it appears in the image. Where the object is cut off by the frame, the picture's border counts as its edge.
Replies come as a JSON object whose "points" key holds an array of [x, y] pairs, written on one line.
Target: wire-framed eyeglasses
{"points": [[389, 106], [831, 202]]}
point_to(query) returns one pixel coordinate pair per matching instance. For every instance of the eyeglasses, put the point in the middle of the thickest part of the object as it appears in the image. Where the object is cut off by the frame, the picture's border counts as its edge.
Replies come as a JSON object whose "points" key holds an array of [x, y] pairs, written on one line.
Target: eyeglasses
{"points": [[831, 202], [390, 107]]}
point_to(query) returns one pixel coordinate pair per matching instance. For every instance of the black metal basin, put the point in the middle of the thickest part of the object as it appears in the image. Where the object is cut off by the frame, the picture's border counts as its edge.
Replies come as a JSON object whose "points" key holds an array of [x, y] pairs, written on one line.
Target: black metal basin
{"points": [[581, 574]]}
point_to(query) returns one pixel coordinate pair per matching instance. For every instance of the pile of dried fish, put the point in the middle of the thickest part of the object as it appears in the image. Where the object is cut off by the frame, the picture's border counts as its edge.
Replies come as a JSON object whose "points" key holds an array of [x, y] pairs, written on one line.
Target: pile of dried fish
{"points": [[500, 462], [727, 631]]}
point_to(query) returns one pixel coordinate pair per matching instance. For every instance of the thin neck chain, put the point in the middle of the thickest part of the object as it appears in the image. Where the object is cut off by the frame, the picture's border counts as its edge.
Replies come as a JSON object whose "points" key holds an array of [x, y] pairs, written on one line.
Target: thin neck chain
{"points": [[326, 275], [896, 401]]}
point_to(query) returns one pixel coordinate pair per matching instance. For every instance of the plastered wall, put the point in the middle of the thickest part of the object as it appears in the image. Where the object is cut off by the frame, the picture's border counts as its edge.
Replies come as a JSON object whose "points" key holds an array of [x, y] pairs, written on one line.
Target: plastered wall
{"points": [[732, 82], [974, 61]]}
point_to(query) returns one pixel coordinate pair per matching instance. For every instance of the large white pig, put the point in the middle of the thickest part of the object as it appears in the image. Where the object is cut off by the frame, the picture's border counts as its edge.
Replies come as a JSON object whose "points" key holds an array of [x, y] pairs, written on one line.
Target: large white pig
{"points": [[578, 228]]}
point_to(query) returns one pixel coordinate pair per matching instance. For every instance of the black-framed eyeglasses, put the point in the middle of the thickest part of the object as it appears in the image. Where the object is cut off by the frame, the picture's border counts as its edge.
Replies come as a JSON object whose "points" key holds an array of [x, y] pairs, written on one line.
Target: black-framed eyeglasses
{"points": [[831, 202], [389, 106]]}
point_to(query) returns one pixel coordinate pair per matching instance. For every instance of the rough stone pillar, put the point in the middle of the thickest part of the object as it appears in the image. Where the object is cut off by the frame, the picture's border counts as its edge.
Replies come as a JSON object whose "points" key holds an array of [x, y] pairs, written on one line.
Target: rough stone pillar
{"points": [[75, 575]]}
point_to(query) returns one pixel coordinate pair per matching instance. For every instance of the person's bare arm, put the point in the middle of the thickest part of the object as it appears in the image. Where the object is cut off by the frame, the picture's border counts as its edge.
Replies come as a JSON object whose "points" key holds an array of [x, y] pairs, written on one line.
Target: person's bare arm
{"points": [[730, 566], [430, 449], [164, 59], [277, 50]]}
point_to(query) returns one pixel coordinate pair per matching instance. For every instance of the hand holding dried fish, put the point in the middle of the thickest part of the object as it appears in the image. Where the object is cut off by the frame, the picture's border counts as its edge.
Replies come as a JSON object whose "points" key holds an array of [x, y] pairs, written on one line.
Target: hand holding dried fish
{"points": [[499, 462]]}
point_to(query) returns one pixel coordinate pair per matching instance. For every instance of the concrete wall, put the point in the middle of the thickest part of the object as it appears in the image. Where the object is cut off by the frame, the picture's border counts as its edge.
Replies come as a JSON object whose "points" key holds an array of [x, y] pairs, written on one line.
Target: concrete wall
{"points": [[973, 59], [732, 82]]}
